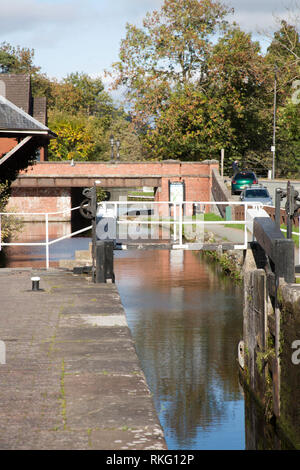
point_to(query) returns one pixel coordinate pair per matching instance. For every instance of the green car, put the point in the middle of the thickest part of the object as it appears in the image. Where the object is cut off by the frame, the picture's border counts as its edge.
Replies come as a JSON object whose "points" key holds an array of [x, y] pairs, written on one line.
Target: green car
{"points": [[242, 179]]}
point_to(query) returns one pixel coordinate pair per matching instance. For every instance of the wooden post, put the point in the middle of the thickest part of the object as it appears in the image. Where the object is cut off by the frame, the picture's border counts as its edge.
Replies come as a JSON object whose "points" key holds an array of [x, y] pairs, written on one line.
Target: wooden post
{"points": [[104, 261]]}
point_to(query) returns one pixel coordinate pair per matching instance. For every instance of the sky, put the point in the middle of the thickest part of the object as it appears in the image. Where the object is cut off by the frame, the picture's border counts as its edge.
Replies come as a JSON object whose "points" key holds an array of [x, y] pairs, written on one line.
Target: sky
{"points": [[84, 35]]}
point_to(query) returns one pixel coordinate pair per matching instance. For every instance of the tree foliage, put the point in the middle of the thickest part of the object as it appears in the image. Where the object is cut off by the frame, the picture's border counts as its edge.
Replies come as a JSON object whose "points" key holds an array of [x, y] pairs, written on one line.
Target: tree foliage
{"points": [[79, 93], [17, 59], [283, 55], [169, 50], [197, 84], [194, 84], [79, 137]]}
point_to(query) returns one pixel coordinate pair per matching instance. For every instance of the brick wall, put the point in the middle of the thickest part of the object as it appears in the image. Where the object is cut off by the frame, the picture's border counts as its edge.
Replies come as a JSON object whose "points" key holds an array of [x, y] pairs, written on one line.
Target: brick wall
{"points": [[97, 169], [6, 145], [196, 175], [41, 200], [18, 90]]}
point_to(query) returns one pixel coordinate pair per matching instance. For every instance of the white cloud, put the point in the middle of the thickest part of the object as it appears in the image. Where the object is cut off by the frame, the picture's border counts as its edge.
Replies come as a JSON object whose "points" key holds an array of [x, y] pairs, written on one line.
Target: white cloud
{"points": [[25, 15], [260, 14], [85, 35]]}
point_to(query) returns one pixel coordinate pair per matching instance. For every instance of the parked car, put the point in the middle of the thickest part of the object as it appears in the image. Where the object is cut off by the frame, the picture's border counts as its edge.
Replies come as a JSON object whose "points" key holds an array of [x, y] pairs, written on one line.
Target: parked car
{"points": [[242, 179], [257, 193]]}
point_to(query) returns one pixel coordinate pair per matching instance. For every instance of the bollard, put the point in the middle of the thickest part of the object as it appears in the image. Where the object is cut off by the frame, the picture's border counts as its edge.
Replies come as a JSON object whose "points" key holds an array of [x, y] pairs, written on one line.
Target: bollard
{"points": [[35, 283]]}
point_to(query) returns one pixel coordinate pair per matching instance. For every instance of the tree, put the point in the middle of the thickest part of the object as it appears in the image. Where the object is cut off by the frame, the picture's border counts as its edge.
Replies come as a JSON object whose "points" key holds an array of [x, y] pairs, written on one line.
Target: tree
{"points": [[17, 59], [79, 137], [288, 141], [20, 60], [78, 92], [192, 127], [224, 110], [241, 80], [170, 49], [284, 54], [123, 129], [192, 96]]}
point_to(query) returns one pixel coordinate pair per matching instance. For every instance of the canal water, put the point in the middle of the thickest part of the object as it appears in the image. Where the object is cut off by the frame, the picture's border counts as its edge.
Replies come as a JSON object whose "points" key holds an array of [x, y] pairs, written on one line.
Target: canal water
{"points": [[186, 321]]}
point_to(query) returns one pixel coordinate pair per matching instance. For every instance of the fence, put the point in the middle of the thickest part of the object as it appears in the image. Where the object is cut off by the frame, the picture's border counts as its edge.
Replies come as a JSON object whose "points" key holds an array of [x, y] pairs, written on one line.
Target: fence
{"points": [[47, 219], [137, 214]]}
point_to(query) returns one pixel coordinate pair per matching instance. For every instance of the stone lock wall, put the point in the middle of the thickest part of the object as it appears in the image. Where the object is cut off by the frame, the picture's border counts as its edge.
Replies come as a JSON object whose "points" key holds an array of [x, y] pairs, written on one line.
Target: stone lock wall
{"points": [[272, 365]]}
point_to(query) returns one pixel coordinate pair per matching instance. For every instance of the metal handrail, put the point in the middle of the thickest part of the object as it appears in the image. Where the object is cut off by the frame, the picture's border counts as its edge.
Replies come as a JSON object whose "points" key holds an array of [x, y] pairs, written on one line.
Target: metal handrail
{"points": [[178, 220]]}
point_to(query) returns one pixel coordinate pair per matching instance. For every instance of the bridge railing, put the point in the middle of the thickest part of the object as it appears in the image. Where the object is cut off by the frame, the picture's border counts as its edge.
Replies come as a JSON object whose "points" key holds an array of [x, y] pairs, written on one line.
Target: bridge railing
{"points": [[176, 219], [20, 219]]}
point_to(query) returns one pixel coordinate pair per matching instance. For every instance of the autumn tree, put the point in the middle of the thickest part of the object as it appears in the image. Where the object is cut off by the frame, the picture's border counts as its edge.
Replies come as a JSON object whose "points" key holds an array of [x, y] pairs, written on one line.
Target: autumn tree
{"points": [[283, 55], [170, 49], [17, 59], [196, 84], [192, 127], [79, 137], [123, 129], [241, 81], [78, 92]]}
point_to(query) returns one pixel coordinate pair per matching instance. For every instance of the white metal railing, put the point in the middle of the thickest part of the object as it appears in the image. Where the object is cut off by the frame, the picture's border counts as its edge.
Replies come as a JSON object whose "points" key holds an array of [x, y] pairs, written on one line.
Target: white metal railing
{"points": [[178, 220], [47, 243]]}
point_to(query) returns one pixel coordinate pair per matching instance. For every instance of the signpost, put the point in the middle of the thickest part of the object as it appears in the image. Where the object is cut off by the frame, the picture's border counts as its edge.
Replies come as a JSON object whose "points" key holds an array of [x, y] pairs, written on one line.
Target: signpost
{"points": [[177, 192]]}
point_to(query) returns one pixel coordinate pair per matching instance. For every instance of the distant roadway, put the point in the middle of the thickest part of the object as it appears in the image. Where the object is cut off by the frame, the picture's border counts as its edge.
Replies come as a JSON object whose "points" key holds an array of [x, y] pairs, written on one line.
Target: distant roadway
{"points": [[271, 185]]}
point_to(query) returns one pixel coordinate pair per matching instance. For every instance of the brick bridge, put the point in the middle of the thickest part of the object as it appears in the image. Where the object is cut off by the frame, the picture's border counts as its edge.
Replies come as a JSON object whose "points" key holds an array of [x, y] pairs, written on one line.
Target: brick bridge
{"points": [[57, 186]]}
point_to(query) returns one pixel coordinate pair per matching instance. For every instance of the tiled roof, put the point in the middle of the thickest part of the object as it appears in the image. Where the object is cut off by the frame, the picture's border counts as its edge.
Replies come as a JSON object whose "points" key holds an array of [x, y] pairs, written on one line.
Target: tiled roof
{"points": [[14, 118]]}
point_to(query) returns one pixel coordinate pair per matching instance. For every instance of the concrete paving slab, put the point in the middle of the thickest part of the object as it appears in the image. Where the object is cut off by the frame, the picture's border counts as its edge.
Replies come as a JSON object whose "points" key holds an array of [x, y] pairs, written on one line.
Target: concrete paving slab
{"points": [[72, 379], [142, 438]]}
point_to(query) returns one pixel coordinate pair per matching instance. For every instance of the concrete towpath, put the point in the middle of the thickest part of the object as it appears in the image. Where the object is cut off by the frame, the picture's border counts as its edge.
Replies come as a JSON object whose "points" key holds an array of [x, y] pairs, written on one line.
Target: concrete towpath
{"points": [[226, 234], [71, 377], [236, 236]]}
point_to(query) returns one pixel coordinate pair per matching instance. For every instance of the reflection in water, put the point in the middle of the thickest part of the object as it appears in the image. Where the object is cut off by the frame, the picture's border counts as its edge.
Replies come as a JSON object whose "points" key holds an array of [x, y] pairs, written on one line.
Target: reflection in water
{"points": [[186, 321], [186, 324]]}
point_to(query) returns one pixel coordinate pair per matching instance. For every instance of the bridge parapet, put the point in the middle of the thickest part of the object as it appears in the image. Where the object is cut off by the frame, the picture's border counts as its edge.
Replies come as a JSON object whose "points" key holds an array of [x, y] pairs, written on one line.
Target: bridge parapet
{"points": [[51, 177]]}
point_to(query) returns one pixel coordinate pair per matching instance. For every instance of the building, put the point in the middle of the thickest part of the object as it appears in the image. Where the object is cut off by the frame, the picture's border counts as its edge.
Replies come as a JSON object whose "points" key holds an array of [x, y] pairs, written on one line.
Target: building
{"points": [[24, 134]]}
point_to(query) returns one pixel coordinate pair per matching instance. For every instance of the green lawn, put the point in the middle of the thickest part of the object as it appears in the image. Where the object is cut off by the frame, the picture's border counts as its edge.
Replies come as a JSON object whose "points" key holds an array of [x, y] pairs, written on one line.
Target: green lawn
{"points": [[214, 217], [294, 229], [141, 193]]}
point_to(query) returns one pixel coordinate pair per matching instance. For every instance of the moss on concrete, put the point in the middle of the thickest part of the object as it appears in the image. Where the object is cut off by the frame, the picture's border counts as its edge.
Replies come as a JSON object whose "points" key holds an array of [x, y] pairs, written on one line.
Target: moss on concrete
{"points": [[229, 262]]}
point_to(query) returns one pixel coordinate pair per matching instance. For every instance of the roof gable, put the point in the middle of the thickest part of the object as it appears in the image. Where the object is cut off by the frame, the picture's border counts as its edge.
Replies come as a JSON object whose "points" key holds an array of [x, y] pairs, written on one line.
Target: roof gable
{"points": [[14, 118]]}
